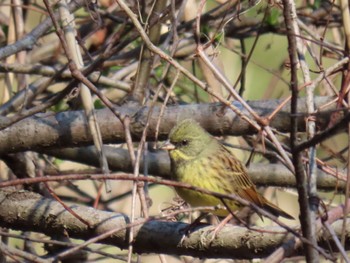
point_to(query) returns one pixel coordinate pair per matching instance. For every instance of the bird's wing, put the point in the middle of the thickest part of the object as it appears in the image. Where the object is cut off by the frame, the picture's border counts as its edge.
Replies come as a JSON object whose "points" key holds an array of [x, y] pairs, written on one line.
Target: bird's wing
{"points": [[247, 190], [240, 181]]}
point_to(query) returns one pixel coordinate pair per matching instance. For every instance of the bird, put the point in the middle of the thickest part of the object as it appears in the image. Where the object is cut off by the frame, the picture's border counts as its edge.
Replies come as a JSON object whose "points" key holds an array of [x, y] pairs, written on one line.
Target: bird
{"points": [[199, 159]]}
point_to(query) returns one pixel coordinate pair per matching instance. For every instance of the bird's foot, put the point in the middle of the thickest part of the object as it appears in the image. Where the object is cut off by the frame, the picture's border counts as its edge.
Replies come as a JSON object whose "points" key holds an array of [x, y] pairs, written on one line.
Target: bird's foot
{"points": [[209, 235]]}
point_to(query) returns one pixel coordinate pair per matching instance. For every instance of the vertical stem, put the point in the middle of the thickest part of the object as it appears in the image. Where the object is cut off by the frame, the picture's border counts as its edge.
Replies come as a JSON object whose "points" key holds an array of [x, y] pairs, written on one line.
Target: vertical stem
{"points": [[302, 186], [344, 4]]}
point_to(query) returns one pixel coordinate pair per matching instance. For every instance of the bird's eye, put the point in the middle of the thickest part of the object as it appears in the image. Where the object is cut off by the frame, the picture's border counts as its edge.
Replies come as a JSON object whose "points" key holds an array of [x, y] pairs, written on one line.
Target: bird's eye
{"points": [[181, 143], [184, 142]]}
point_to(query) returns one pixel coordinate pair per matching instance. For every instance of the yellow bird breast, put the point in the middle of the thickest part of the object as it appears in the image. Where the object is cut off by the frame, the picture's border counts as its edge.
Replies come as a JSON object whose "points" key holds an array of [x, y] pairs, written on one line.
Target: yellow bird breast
{"points": [[199, 173]]}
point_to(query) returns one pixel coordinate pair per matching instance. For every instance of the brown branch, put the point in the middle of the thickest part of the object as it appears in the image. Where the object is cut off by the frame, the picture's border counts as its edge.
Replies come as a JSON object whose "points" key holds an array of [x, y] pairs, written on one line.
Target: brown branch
{"points": [[158, 164], [300, 173], [69, 128], [50, 218], [49, 71]]}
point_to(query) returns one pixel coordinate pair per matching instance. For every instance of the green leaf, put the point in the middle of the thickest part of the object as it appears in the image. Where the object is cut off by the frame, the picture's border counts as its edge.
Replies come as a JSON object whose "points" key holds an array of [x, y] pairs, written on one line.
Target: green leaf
{"points": [[273, 18]]}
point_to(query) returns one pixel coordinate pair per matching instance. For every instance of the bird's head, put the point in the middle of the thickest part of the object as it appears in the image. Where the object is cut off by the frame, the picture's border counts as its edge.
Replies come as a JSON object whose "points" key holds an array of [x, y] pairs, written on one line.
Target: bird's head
{"points": [[187, 140]]}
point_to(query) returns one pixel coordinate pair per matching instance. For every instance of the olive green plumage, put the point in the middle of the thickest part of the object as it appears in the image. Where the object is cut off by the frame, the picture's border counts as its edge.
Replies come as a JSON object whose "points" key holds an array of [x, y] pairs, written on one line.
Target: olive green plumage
{"points": [[197, 158]]}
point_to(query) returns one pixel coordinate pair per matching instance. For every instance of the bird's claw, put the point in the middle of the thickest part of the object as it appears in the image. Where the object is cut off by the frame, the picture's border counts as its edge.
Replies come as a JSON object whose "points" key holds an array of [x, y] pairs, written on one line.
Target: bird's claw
{"points": [[208, 236]]}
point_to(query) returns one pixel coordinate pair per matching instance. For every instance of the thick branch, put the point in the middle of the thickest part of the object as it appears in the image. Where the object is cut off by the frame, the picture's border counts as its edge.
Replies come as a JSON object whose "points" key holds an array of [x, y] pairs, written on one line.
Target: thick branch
{"points": [[68, 129], [158, 164], [30, 212]]}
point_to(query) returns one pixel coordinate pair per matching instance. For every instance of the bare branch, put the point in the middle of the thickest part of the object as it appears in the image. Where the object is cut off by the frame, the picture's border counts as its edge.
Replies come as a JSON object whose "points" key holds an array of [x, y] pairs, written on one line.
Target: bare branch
{"points": [[50, 218], [69, 128]]}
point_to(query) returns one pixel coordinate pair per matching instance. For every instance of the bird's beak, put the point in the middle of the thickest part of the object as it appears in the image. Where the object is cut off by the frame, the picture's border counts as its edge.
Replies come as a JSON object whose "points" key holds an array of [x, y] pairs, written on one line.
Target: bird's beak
{"points": [[167, 146]]}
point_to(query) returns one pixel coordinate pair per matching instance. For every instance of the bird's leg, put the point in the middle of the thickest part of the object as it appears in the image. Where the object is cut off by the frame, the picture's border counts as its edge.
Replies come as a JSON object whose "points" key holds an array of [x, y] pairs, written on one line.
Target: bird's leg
{"points": [[222, 224], [216, 230]]}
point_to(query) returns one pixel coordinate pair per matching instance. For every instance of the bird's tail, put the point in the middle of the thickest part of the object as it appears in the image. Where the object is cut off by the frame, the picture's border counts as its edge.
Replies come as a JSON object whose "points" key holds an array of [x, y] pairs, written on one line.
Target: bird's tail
{"points": [[276, 211]]}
